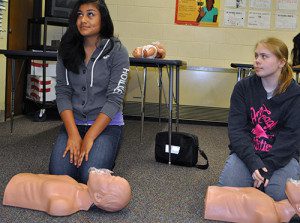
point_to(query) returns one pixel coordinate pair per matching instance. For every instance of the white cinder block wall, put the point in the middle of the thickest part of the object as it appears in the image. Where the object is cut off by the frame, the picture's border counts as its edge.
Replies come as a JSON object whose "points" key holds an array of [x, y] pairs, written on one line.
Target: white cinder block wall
{"points": [[139, 22]]}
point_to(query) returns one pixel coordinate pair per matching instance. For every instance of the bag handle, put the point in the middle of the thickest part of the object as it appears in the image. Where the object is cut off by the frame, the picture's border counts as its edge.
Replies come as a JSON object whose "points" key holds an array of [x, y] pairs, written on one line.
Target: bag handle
{"points": [[204, 166]]}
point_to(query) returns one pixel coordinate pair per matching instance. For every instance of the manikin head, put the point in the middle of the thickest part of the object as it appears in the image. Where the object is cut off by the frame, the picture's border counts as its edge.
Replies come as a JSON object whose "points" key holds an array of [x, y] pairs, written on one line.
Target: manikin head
{"points": [[292, 191], [137, 52], [110, 193]]}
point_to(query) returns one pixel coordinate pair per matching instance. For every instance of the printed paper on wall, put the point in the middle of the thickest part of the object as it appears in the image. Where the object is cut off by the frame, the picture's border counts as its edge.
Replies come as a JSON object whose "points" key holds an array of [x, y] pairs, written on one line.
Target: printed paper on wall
{"points": [[259, 20], [287, 5], [260, 4], [234, 18], [285, 21], [236, 3]]}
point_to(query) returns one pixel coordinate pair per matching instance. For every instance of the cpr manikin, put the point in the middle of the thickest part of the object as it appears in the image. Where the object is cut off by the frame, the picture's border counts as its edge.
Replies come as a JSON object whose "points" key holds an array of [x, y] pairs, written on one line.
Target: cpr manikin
{"points": [[250, 205], [153, 50], [61, 195]]}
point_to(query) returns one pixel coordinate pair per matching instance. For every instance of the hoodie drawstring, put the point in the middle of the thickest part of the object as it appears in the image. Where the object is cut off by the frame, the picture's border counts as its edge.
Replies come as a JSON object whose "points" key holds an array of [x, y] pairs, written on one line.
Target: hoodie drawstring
{"points": [[92, 74], [67, 80]]}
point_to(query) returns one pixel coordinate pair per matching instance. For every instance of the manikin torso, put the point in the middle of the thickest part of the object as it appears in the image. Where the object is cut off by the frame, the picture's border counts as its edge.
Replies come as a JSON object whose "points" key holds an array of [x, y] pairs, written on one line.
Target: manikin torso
{"points": [[56, 195], [61, 195], [247, 205]]}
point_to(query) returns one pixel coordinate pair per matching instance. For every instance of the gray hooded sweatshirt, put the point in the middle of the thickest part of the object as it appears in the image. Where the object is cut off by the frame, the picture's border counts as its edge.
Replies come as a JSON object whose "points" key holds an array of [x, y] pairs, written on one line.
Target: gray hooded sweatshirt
{"points": [[100, 85]]}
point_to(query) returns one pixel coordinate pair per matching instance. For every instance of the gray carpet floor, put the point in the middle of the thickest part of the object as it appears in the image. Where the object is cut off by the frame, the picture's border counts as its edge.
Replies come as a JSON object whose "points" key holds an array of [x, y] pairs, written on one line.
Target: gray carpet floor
{"points": [[161, 192]]}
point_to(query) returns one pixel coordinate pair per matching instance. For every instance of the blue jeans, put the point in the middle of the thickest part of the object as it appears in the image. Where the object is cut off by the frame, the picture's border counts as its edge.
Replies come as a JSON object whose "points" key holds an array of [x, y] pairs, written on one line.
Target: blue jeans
{"points": [[102, 155], [236, 174]]}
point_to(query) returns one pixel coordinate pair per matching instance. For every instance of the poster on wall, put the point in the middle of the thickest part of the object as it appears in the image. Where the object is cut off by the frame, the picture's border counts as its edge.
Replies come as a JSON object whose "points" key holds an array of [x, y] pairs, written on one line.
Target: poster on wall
{"points": [[259, 20], [236, 3], [197, 12], [234, 18], [287, 5], [285, 21], [260, 4], [2, 9]]}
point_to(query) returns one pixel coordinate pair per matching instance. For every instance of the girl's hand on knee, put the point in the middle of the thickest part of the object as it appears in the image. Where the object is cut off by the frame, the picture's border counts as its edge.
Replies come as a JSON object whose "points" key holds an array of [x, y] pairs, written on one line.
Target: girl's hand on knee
{"points": [[259, 179], [85, 149], [257, 183], [266, 182], [73, 146], [256, 176]]}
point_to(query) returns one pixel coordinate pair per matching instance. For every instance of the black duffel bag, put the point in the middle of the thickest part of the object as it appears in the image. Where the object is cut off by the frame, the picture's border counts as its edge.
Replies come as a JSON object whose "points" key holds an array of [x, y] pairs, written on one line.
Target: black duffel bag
{"points": [[184, 149]]}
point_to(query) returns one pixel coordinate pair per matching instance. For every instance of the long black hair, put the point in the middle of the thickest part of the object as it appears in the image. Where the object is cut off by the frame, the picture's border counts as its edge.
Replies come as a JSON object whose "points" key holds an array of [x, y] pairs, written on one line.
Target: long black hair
{"points": [[71, 48], [296, 50]]}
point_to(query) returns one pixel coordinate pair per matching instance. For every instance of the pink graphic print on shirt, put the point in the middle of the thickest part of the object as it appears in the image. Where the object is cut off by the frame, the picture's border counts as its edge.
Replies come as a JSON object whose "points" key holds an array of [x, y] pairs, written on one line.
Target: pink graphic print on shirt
{"points": [[263, 123]]}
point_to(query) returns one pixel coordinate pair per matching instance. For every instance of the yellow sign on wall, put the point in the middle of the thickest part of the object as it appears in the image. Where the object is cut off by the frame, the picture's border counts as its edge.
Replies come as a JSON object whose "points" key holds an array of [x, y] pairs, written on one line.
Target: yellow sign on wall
{"points": [[197, 12]]}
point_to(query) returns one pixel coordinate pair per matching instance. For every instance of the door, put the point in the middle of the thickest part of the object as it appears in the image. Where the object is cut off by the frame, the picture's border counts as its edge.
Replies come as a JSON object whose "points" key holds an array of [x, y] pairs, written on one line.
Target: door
{"points": [[19, 12]]}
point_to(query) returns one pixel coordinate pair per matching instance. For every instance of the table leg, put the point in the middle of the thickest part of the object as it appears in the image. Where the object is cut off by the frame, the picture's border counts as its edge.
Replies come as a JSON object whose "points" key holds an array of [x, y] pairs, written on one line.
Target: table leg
{"points": [[143, 103], [44, 85], [177, 98], [44, 67], [13, 90], [160, 95], [170, 110]]}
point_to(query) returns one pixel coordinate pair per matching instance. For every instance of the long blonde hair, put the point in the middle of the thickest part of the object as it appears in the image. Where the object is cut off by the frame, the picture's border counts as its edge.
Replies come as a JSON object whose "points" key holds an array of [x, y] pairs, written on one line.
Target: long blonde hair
{"points": [[280, 50]]}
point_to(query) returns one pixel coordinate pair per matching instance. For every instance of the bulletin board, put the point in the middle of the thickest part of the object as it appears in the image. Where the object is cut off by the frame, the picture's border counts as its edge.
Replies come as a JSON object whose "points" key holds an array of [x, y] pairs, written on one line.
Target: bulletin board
{"points": [[261, 14], [252, 14]]}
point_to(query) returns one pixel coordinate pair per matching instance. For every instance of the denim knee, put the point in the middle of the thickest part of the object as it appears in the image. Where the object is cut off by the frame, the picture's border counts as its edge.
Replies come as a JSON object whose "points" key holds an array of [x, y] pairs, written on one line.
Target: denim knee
{"points": [[276, 192], [276, 186], [235, 173], [103, 153], [59, 165]]}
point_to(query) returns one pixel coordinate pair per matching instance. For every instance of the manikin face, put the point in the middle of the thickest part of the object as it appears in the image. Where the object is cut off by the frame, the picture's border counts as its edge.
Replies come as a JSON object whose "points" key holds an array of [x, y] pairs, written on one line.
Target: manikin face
{"points": [[266, 64], [292, 191], [110, 193], [137, 52], [89, 20]]}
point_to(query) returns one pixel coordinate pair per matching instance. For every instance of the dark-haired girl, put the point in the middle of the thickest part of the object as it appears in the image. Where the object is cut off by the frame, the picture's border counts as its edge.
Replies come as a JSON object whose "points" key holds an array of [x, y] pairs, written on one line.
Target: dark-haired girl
{"points": [[92, 70]]}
